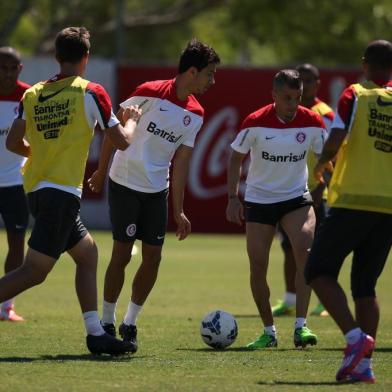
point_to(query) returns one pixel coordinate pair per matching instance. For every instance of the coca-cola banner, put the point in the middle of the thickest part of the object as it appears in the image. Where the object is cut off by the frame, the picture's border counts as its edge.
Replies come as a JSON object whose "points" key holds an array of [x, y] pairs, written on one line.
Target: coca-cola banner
{"points": [[237, 92]]}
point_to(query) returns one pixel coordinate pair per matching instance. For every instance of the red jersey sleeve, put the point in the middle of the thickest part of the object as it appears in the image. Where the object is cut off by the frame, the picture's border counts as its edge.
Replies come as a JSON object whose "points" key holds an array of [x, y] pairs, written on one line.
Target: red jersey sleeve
{"points": [[102, 100], [345, 105]]}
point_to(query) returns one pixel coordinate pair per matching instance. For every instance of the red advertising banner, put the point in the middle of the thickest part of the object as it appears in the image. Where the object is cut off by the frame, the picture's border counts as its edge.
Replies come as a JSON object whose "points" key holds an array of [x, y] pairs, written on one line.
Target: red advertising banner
{"points": [[237, 93]]}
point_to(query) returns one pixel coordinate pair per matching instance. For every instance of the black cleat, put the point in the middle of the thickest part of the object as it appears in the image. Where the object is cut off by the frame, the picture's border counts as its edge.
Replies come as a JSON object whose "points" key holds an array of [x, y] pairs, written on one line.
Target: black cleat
{"points": [[129, 334], [107, 344], [109, 328]]}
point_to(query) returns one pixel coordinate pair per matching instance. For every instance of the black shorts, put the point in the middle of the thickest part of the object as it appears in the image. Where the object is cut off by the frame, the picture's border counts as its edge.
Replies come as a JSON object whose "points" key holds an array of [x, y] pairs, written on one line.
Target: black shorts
{"points": [[13, 208], [367, 234], [137, 215], [271, 214], [320, 212], [57, 226]]}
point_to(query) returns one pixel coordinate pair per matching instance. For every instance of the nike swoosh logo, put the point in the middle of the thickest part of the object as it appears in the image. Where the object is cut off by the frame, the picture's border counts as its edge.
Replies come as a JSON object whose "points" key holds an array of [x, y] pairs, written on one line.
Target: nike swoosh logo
{"points": [[160, 237], [42, 98], [269, 137], [380, 102], [163, 110]]}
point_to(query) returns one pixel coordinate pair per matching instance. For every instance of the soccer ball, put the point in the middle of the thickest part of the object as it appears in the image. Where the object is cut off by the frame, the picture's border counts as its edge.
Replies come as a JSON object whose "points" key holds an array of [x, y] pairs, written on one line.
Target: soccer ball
{"points": [[218, 329]]}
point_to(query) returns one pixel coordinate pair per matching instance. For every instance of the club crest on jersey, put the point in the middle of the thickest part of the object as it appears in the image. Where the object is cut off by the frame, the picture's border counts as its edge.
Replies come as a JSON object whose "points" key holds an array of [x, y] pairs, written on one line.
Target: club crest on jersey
{"points": [[301, 137], [131, 230], [187, 120]]}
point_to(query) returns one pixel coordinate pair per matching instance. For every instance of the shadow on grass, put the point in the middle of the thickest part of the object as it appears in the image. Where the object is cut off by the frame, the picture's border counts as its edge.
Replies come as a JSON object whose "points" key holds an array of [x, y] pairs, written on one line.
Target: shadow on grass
{"points": [[231, 349], [377, 350], [304, 383], [68, 357]]}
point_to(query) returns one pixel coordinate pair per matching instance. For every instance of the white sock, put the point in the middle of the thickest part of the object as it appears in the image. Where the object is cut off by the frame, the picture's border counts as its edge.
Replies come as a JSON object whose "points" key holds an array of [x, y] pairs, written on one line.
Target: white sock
{"points": [[270, 330], [300, 322], [353, 336], [290, 298], [7, 304], [92, 323], [109, 312], [132, 313], [363, 364]]}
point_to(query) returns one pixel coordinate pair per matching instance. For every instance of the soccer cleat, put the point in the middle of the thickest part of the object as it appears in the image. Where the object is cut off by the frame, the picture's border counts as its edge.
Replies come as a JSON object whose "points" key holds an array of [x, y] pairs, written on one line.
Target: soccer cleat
{"points": [[353, 353], [366, 376], [107, 344], [129, 334], [282, 309], [304, 336], [319, 310], [10, 315], [109, 329], [263, 341]]}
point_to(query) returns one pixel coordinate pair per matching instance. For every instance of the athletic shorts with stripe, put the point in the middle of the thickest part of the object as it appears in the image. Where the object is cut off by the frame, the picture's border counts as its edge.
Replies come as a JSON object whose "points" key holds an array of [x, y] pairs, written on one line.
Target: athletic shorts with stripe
{"points": [[137, 215]]}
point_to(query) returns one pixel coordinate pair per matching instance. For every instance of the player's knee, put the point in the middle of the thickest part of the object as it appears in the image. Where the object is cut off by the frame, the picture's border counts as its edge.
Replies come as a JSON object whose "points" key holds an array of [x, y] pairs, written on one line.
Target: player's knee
{"points": [[152, 259]]}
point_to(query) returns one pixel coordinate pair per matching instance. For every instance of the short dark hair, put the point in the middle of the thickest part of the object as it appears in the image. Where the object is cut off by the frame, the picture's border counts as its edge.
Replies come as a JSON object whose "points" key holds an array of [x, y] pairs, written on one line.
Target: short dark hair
{"points": [[72, 44], [289, 78], [310, 68], [378, 55], [7, 51], [198, 55]]}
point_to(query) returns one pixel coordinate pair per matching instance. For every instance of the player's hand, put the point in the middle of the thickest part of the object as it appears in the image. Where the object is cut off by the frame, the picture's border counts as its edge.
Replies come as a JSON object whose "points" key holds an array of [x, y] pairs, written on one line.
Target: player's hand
{"points": [[320, 169], [183, 226], [96, 181], [235, 211], [132, 113]]}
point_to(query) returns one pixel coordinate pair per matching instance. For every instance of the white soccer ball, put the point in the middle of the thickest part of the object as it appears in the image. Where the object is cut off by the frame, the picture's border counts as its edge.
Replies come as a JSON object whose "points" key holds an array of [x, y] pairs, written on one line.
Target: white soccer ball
{"points": [[218, 329]]}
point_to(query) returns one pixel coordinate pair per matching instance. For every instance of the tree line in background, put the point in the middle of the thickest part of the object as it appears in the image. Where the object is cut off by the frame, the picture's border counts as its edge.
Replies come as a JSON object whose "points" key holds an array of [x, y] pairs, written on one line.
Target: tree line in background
{"points": [[244, 32]]}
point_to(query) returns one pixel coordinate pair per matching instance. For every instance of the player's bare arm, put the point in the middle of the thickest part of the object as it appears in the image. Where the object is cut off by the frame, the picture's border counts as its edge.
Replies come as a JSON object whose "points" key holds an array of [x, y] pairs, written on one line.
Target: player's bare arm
{"points": [[121, 136], [330, 149], [15, 139], [97, 179], [235, 209], [179, 179]]}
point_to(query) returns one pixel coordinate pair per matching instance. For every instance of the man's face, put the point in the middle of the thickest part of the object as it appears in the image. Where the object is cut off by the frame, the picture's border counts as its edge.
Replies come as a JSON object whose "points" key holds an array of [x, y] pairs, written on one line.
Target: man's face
{"points": [[9, 72], [311, 85], [286, 101], [204, 79]]}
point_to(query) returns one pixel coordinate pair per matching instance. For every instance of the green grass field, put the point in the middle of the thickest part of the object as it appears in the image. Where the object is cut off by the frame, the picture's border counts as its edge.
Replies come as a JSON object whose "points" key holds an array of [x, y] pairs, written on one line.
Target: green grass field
{"points": [[203, 273]]}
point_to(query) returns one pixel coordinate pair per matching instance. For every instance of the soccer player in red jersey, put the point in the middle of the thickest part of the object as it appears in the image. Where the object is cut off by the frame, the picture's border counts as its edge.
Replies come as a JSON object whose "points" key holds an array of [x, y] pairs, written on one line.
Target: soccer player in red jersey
{"points": [[279, 137], [139, 177], [13, 203], [311, 81]]}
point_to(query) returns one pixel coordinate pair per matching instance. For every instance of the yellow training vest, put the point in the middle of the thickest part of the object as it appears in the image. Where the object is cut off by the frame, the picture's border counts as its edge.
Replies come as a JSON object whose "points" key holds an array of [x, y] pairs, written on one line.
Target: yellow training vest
{"points": [[58, 133], [322, 109], [362, 178]]}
